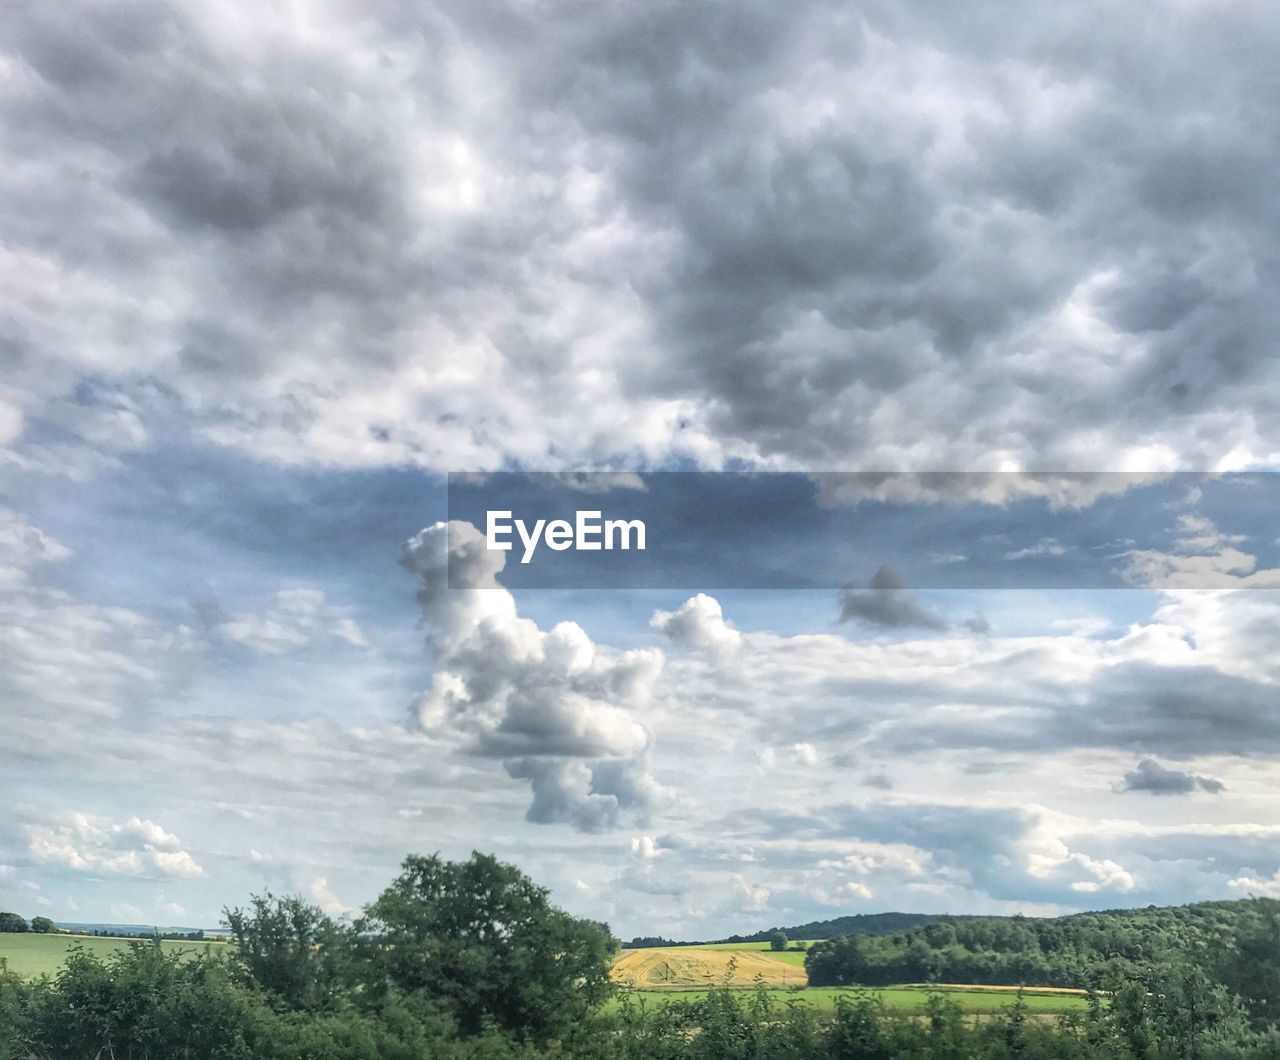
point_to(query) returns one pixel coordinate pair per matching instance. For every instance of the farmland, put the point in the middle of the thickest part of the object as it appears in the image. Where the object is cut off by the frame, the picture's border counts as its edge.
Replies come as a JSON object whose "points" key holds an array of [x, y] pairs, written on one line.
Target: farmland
{"points": [[687, 968], [423, 982], [33, 954], [685, 974], [974, 1001], [661, 976]]}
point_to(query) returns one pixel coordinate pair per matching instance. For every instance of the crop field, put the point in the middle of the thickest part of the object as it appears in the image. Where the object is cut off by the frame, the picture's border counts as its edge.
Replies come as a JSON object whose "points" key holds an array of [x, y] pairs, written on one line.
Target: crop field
{"points": [[682, 974], [982, 1001], [792, 957], [687, 968], [31, 954]]}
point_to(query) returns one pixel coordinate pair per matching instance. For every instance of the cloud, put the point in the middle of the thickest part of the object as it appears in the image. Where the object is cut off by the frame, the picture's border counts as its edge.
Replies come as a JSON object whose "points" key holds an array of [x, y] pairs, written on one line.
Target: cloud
{"points": [[886, 603], [1150, 776], [318, 891], [560, 709], [69, 655], [84, 843], [296, 618], [1264, 887], [816, 241], [1046, 546], [698, 624], [22, 548]]}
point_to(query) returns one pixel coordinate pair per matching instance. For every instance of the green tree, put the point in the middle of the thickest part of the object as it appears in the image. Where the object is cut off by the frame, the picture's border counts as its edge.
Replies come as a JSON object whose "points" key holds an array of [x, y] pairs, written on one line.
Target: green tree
{"points": [[42, 925], [12, 922], [778, 940], [1251, 964], [290, 949], [482, 940]]}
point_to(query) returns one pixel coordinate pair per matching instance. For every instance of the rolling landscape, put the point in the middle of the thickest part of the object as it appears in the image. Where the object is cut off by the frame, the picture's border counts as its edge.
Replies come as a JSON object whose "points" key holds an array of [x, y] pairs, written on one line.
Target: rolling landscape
{"points": [[475, 948]]}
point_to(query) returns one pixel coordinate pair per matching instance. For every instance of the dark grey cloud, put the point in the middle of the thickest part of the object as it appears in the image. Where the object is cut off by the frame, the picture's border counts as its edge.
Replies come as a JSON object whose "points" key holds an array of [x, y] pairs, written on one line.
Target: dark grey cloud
{"points": [[819, 239], [886, 602], [1150, 776], [1174, 710]]}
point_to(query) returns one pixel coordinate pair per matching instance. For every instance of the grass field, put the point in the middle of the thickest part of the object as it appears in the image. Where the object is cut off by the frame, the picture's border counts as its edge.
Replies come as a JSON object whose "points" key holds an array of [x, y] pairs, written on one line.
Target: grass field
{"points": [[903, 998], [31, 954]]}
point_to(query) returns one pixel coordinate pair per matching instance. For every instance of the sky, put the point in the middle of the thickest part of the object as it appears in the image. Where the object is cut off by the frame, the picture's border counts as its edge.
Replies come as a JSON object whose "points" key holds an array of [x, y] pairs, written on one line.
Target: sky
{"points": [[935, 343]]}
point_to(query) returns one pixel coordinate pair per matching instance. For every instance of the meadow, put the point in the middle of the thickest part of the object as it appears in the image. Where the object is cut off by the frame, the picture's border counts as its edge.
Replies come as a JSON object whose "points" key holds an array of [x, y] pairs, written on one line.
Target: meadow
{"points": [[29, 954], [823, 999]]}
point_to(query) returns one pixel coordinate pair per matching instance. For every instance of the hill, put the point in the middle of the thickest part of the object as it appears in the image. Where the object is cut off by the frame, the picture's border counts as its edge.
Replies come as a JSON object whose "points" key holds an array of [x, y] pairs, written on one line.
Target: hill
{"points": [[1077, 950], [858, 924]]}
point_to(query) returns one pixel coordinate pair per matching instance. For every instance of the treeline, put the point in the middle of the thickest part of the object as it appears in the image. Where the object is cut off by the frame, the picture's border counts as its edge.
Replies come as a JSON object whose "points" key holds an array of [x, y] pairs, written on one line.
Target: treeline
{"points": [[1075, 951], [17, 924], [861, 924], [858, 924], [42, 925], [467, 960]]}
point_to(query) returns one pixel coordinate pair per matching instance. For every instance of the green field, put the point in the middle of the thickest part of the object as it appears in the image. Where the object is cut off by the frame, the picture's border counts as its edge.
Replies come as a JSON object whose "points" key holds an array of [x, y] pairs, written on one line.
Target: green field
{"points": [[902, 998], [31, 954]]}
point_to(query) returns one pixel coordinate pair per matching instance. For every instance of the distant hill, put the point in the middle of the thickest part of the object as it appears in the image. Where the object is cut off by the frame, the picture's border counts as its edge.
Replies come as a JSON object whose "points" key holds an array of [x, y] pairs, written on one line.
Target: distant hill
{"points": [[1087, 929], [858, 924], [1077, 950], [130, 931]]}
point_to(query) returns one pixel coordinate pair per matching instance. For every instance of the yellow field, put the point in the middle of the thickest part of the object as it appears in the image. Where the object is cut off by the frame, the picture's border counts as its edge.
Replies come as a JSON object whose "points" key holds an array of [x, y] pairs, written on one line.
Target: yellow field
{"points": [[686, 968]]}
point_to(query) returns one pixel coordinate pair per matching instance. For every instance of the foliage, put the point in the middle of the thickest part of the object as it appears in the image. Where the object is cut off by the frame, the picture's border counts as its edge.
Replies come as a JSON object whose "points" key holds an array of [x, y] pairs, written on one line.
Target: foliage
{"points": [[42, 925], [778, 941], [1073, 951], [12, 922], [483, 941], [1249, 962], [463, 961], [290, 949], [857, 924]]}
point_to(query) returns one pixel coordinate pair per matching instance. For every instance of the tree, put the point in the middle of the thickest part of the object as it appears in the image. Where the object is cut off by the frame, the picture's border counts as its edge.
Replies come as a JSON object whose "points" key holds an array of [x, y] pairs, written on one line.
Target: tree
{"points": [[482, 940], [778, 940], [1251, 965], [12, 922], [42, 925], [290, 949]]}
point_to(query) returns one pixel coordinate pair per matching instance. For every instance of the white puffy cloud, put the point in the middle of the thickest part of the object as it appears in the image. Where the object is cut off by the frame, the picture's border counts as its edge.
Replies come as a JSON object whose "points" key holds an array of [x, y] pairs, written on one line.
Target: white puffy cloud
{"points": [[698, 624], [560, 709], [90, 844], [1266, 887], [318, 891]]}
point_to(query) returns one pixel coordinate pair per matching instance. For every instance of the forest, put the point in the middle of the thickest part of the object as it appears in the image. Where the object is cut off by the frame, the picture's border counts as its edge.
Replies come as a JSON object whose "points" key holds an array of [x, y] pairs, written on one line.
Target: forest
{"points": [[1086, 949], [471, 959]]}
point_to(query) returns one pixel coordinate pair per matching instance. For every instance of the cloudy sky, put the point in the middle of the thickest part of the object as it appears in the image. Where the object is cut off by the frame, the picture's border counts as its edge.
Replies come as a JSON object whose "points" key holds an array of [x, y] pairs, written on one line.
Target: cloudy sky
{"points": [[270, 272]]}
